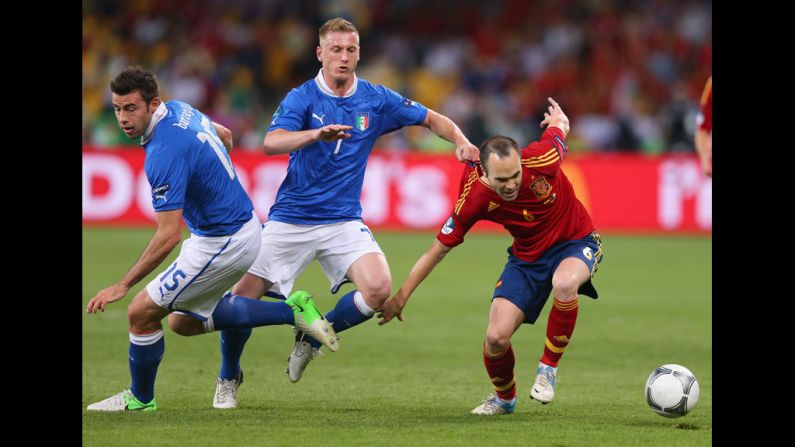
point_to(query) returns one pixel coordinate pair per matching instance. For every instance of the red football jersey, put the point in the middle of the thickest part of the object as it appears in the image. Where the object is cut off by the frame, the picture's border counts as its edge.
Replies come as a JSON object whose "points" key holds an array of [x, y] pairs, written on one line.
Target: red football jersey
{"points": [[544, 214], [705, 117]]}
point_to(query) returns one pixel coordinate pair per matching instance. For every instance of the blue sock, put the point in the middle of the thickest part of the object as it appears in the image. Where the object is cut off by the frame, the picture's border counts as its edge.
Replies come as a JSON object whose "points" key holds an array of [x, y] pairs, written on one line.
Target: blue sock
{"points": [[237, 312], [345, 315], [232, 343], [145, 354]]}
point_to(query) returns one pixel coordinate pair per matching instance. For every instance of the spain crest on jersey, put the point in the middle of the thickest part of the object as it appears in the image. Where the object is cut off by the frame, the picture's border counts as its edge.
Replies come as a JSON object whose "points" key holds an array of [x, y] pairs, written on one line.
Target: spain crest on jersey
{"points": [[540, 187], [362, 121]]}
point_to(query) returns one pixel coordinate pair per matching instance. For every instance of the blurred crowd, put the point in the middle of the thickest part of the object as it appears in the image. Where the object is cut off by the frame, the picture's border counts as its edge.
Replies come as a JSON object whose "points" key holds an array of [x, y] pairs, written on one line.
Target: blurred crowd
{"points": [[628, 74]]}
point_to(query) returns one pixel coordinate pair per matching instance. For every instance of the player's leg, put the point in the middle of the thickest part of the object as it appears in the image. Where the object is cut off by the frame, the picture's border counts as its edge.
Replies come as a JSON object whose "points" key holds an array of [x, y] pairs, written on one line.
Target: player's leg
{"points": [[206, 268], [236, 315], [566, 281], [281, 245], [355, 253], [233, 341], [370, 273], [146, 349], [498, 357], [580, 260], [346, 252]]}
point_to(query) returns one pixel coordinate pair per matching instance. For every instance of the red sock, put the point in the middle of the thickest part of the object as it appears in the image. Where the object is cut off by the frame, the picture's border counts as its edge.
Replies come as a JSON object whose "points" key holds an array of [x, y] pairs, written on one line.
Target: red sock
{"points": [[500, 369], [560, 326]]}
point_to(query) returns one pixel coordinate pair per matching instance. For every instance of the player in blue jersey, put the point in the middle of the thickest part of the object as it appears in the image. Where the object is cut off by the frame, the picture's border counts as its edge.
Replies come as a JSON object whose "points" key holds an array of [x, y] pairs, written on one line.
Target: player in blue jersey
{"points": [[193, 179], [328, 125]]}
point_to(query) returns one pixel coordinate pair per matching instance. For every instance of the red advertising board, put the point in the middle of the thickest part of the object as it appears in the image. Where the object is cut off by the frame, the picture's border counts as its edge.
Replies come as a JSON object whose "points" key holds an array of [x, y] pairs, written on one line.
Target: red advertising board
{"points": [[417, 191]]}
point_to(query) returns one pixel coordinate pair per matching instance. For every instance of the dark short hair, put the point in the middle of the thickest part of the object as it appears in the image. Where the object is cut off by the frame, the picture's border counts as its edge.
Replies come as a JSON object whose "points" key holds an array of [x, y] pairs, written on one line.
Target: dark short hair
{"points": [[136, 78], [502, 146]]}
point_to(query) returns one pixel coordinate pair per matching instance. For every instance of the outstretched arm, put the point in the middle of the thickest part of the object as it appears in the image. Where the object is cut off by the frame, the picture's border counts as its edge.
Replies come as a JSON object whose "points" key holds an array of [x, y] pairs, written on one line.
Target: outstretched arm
{"points": [[427, 262], [445, 128], [283, 141], [165, 239], [225, 135]]}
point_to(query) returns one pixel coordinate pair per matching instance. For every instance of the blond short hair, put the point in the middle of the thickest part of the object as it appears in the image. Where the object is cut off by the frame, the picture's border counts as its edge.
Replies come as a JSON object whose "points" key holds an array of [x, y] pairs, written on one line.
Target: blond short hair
{"points": [[336, 25]]}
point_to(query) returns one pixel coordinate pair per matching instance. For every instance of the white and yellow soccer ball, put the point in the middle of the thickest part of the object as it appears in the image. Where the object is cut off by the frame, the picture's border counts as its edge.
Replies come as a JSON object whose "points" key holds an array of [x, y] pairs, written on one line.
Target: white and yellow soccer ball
{"points": [[672, 390]]}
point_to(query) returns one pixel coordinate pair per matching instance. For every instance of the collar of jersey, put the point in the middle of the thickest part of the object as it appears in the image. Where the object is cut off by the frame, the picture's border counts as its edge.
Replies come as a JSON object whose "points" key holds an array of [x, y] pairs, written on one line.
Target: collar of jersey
{"points": [[321, 83], [159, 114], [479, 172]]}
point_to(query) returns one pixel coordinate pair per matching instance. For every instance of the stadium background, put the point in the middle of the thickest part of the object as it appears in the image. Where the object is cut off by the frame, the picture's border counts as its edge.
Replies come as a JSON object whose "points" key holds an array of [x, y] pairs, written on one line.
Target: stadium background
{"points": [[627, 73]]}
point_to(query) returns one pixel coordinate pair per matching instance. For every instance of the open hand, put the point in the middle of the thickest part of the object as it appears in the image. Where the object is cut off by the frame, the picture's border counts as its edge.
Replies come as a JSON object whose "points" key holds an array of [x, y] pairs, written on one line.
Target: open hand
{"points": [[333, 132], [106, 296], [555, 117], [390, 310]]}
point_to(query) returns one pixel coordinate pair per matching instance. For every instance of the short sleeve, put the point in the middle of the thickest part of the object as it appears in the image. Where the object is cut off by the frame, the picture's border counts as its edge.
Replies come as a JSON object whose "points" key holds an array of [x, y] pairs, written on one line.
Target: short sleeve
{"points": [[291, 113], [546, 155], [168, 173], [400, 112]]}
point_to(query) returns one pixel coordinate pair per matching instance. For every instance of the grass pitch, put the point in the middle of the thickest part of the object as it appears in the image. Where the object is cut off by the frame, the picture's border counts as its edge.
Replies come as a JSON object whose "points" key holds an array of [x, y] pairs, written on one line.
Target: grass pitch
{"points": [[413, 383]]}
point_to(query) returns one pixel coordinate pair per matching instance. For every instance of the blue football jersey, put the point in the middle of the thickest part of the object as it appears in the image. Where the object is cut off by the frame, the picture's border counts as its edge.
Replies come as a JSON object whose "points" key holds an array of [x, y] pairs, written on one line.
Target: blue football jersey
{"points": [[188, 168], [324, 179]]}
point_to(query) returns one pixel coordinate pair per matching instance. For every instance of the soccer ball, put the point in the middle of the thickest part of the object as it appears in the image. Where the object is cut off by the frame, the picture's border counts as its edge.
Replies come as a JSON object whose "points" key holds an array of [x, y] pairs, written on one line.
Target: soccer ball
{"points": [[672, 391]]}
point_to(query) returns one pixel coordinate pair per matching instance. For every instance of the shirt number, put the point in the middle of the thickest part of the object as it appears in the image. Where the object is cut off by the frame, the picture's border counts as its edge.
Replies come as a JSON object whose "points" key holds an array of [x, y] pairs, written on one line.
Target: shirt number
{"points": [[216, 144]]}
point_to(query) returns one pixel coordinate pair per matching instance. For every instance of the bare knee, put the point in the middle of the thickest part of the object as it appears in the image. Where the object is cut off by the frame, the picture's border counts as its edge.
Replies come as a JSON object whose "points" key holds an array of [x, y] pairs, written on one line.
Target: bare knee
{"points": [[564, 289], [377, 292], [141, 320], [497, 342]]}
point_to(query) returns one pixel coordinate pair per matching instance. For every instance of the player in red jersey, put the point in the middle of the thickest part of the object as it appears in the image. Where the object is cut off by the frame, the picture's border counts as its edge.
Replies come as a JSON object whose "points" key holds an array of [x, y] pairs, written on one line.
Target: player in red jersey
{"points": [[704, 130], [555, 249]]}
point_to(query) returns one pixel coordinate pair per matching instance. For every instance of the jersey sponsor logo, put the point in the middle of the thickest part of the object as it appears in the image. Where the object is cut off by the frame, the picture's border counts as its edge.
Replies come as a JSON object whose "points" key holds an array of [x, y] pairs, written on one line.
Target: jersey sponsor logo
{"points": [[527, 216], [540, 187], [408, 103], [160, 192], [449, 226], [362, 121], [319, 118], [493, 206], [588, 253]]}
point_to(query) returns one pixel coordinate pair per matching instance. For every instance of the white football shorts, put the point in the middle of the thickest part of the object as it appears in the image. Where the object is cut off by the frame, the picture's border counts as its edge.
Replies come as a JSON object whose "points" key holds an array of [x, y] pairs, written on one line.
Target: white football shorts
{"points": [[204, 270], [287, 249]]}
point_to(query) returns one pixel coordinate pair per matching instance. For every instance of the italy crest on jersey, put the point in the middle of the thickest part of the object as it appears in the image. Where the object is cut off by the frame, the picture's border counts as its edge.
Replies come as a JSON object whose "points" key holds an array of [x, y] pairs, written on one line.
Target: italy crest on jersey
{"points": [[362, 121]]}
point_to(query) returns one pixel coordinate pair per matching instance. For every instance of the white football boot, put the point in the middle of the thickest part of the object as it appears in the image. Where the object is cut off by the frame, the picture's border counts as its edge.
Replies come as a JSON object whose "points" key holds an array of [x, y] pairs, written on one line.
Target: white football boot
{"points": [[544, 387], [493, 405], [226, 392]]}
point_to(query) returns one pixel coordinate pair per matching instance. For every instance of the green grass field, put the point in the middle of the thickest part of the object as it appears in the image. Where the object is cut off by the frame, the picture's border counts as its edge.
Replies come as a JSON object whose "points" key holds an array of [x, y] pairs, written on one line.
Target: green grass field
{"points": [[413, 383]]}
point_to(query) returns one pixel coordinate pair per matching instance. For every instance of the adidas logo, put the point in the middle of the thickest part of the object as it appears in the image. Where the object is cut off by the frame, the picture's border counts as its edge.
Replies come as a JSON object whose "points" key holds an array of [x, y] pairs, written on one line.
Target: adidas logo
{"points": [[493, 206], [561, 338]]}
